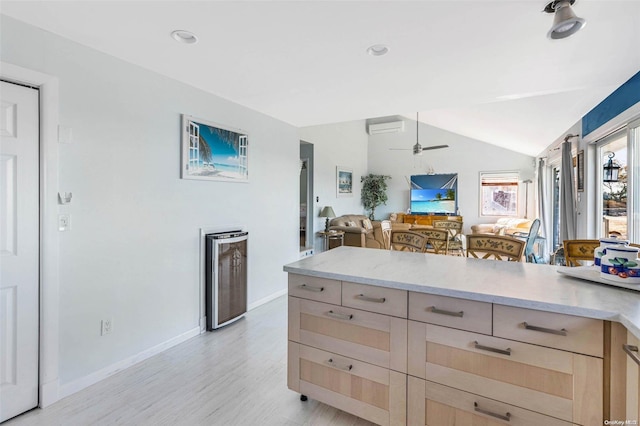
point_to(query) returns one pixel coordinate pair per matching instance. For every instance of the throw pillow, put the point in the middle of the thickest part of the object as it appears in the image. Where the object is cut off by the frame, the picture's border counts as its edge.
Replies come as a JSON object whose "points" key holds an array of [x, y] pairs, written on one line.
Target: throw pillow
{"points": [[366, 224], [351, 223]]}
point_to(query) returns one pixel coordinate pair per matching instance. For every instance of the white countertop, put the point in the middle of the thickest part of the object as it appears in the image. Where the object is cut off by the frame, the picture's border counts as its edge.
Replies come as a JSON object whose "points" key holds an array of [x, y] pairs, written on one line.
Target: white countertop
{"points": [[517, 284]]}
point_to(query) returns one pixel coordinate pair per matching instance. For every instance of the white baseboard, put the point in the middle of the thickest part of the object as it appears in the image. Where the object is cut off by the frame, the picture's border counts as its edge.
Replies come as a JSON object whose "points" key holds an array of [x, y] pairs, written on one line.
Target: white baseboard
{"points": [[267, 299], [86, 381], [48, 393]]}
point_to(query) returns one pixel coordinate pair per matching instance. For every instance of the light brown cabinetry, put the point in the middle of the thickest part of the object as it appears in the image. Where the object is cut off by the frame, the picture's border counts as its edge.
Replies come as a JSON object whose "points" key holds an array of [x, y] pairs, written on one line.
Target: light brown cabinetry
{"points": [[495, 374], [624, 377], [428, 220], [432, 404], [395, 358], [633, 379], [353, 359]]}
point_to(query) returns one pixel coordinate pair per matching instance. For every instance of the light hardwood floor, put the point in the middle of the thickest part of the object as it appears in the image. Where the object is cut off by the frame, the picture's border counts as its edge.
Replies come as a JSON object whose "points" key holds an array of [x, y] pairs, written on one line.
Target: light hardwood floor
{"points": [[233, 376]]}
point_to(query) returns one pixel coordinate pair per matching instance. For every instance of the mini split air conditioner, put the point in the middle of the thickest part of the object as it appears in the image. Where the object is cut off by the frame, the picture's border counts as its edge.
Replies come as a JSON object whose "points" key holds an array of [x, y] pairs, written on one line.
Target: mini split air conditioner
{"points": [[390, 127]]}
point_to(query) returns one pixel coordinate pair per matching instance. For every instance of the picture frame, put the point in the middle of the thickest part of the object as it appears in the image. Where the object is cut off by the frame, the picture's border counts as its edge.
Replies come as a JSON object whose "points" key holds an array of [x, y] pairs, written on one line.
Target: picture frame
{"points": [[344, 181], [215, 152], [580, 171]]}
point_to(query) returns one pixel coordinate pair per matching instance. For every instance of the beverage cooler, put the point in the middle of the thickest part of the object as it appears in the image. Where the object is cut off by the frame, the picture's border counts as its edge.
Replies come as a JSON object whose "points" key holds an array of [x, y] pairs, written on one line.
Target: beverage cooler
{"points": [[226, 277]]}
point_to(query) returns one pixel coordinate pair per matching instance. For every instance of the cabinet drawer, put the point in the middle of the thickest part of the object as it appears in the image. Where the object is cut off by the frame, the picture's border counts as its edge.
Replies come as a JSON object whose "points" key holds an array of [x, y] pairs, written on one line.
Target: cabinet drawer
{"points": [[374, 338], [432, 404], [382, 300], [373, 393], [314, 288], [556, 383], [451, 312], [566, 332]]}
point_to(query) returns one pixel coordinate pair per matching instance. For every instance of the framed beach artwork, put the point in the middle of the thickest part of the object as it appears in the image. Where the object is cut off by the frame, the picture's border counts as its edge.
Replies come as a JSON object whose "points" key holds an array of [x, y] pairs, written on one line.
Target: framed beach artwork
{"points": [[213, 152], [344, 182]]}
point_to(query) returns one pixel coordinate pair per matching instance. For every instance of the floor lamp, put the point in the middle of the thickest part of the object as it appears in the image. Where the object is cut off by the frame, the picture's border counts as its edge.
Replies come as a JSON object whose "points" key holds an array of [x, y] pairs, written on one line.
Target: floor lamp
{"points": [[526, 197]]}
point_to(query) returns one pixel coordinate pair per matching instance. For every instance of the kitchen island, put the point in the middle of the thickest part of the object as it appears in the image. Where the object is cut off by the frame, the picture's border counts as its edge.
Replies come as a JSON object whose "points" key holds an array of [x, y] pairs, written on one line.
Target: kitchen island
{"points": [[407, 338]]}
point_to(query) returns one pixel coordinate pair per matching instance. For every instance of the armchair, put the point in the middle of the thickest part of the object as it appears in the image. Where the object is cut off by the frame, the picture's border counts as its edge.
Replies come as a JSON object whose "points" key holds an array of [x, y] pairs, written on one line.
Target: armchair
{"points": [[359, 231]]}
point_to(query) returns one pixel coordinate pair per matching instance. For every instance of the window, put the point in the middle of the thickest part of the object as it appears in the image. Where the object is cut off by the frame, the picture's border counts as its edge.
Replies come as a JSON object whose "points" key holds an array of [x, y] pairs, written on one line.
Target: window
{"points": [[620, 200], [499, 193]]}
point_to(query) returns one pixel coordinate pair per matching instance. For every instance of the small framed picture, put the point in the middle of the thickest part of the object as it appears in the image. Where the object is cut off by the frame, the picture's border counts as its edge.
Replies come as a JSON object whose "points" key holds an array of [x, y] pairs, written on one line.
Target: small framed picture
{"points": [[344, 181]]}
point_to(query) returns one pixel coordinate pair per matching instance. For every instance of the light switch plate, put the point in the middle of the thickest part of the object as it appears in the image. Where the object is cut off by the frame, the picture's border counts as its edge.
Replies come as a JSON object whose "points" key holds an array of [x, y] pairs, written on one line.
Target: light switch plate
{"points": [[64, 222]]}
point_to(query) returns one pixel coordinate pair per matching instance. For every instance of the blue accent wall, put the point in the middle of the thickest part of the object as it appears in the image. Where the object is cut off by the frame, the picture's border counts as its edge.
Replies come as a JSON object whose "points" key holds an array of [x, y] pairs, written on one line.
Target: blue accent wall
{"points": [[623, 98]]}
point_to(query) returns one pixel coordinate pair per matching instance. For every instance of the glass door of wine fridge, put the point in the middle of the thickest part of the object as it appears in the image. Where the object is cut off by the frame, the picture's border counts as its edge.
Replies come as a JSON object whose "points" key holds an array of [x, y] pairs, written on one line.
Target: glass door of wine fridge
{"points": [[226, 277]]}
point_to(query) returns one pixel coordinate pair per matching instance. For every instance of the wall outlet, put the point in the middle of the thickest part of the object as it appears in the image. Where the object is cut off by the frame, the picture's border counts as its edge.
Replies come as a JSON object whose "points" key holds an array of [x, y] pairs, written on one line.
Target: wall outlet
{"points": [[107, 326]]}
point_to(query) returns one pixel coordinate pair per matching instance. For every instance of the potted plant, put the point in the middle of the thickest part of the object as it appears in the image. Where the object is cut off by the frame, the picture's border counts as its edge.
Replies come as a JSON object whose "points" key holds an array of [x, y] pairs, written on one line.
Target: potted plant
{"points": [[374, 192]]}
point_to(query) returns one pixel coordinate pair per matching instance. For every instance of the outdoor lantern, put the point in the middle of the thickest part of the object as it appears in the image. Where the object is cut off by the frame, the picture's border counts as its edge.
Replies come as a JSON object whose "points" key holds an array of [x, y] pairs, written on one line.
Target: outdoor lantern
{"points": [[610, 170]]}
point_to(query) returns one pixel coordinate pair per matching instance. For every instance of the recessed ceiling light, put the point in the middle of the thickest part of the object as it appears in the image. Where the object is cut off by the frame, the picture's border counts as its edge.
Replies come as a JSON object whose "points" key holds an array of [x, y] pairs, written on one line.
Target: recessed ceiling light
{"points": [[378, 50], [183, 36]]}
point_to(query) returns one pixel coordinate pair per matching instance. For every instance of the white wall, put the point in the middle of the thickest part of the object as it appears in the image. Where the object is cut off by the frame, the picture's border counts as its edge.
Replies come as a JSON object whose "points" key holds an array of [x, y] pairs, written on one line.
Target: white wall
{"points": [[465, 156], [133, 252], [339, 144]]}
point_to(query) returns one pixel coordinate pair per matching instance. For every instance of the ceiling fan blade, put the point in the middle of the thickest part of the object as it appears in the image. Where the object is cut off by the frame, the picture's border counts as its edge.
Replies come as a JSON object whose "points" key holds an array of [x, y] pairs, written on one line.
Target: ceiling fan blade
{"points": [[425, 148]]}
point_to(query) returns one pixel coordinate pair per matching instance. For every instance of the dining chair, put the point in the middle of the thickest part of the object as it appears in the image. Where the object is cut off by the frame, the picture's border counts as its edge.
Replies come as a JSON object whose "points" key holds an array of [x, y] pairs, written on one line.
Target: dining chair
{"points": [[578, 251], [498, 247], [407, 241], [385, 227], [454, 228], [437, 240], [530, 241]]}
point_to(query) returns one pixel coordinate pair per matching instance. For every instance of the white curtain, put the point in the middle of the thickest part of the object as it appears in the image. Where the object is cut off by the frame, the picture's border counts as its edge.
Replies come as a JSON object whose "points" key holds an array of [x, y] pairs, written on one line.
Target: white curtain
{"points": [[542, 212], [567, 196]]}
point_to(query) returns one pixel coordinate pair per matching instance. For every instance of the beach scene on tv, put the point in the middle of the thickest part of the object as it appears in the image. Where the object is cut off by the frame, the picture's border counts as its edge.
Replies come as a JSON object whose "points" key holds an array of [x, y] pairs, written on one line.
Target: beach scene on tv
{"points": [[433, 201], [436, 193], [216, 153]]}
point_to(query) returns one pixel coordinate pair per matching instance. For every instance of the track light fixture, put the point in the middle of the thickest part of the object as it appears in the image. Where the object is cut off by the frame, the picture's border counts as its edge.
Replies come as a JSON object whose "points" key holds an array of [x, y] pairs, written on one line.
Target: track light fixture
{"points": [[565, 22]]}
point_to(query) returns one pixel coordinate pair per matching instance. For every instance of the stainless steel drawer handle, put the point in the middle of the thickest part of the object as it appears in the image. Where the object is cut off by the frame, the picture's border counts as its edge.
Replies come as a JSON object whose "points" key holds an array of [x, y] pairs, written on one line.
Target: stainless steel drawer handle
{"points": [[505, 417], [632, 351], [444, 312], [561, 332], [490, 349], [330, 362], [338, 315], [371, 299], [311, 288]]}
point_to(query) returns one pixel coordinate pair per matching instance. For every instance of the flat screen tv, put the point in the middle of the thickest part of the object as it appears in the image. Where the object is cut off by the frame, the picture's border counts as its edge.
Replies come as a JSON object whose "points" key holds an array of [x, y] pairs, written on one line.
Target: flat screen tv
{"points": [[434, 194]]}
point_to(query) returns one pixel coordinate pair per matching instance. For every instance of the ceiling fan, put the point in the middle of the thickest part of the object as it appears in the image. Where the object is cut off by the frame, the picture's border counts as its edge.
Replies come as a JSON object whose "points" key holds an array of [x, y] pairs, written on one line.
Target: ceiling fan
{"points": [[417, 148]]}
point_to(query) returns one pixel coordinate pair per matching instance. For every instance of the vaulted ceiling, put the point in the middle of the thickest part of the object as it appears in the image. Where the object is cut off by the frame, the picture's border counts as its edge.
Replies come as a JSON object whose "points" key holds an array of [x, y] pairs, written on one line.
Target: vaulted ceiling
{"points": [[480, 68]]}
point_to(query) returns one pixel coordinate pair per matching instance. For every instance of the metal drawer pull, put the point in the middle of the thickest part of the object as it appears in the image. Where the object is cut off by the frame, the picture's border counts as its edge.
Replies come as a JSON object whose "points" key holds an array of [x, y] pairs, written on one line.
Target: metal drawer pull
{"points": [[632, 351], [338, 315], [370, 299], [506, 417], [331, 363], [443, 312], [311, 288], [490, 349], [561, 332]]}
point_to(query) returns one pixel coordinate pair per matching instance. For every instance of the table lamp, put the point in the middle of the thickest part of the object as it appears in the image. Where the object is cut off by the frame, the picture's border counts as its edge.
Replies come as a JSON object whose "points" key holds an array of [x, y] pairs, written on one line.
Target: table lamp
{"points": [[327, 212]]}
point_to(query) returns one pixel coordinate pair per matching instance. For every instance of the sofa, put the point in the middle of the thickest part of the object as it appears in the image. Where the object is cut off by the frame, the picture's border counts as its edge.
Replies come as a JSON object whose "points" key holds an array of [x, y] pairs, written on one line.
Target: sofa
{"points": [[503, 226], [397, 222], [359, 231]]}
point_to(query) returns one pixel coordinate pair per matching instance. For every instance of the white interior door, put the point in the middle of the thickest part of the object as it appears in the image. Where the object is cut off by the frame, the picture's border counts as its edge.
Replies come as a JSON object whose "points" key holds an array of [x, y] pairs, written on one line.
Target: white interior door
{"points": [[19, 249]]}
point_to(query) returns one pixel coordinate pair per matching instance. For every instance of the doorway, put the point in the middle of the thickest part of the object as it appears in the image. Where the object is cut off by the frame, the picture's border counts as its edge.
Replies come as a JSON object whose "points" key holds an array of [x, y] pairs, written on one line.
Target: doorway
{"points": [[612, 152], [19, 249], [619, 191], [306, 197]]}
